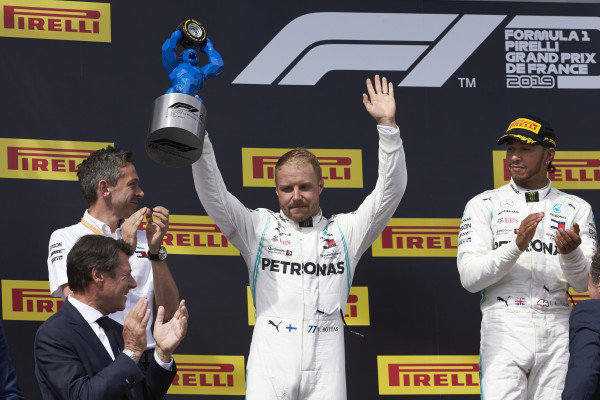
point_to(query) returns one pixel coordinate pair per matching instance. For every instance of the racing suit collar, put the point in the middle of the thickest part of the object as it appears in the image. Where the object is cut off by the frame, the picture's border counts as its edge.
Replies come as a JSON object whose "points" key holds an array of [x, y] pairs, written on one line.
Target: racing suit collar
{"points": [[102, 227], [543, 192], [303, 224]]}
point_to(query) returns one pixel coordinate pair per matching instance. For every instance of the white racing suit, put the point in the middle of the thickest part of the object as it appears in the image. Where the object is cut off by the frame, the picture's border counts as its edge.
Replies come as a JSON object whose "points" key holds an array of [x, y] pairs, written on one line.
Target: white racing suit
{"points": [[525, 309], [300, 277]]}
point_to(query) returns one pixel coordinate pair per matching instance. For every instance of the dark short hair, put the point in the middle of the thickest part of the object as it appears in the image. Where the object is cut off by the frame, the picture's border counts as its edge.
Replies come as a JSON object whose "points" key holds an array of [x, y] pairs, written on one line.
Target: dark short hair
{"points": [[595, 268], [93, 251], [299, 156], [104, 164]]}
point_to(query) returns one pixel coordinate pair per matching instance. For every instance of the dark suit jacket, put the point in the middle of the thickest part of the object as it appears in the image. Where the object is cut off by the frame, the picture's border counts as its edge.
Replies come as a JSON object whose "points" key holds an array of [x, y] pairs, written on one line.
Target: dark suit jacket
{"points": [[582, 382], [8, 379], [72, 363]]}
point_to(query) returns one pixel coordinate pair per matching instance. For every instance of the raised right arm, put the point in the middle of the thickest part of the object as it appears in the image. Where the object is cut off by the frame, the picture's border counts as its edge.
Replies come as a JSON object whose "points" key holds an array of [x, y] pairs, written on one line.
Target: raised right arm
{"points": [[231, 216]]}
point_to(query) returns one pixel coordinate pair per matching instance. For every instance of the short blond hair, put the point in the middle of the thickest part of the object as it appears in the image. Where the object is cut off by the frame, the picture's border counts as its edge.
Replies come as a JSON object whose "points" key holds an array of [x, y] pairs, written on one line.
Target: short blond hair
{"points": [[297, 157]]}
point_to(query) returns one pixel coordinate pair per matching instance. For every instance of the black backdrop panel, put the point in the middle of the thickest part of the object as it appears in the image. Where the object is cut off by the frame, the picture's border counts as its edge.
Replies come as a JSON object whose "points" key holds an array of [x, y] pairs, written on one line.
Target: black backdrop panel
{"points": [[454, 100]]}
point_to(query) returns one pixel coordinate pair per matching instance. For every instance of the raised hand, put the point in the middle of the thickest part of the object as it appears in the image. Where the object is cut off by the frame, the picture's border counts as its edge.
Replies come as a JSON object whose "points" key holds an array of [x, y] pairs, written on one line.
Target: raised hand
{"points": [[380, 102], [169, 335], [134, 327], [527, 230], [567, 240], [156, 228], [130, 227]]}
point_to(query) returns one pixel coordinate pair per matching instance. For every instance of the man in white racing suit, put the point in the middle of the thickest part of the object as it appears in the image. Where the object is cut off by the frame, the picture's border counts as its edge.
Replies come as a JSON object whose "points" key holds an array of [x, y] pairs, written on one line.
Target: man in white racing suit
{"points": [[522, 245], [301, 264]]}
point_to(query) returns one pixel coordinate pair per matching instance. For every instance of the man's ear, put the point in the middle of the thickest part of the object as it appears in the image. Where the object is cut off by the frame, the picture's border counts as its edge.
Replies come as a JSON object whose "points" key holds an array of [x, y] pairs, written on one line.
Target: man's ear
{"points": [[550, 155], [321, 184], [103, 189], [97, 276]]}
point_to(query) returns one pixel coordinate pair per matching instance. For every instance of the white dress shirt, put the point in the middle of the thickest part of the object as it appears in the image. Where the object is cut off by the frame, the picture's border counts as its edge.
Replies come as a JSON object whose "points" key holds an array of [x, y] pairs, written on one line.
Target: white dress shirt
{"points": [[91, 315]]}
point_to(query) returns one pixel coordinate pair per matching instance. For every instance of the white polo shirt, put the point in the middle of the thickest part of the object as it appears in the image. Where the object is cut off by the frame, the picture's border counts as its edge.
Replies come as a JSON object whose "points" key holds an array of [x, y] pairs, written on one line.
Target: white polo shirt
{"points": [[61, 242]]}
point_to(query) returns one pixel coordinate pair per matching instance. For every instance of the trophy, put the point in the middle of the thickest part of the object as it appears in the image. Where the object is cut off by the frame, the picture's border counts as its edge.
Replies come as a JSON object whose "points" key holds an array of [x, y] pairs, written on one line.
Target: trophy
{"points": [[176, 132]]}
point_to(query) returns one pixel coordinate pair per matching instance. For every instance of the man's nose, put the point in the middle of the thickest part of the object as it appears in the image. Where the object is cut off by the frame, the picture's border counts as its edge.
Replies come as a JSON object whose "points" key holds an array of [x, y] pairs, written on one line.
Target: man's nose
{"points": [[296, 194], [132, 283], [140, 192]]}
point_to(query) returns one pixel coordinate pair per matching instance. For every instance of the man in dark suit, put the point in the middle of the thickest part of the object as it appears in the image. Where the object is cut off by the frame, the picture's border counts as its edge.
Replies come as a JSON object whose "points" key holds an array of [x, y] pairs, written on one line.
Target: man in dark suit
{"points": [[583, 375], [82, 354], [9, 389]]}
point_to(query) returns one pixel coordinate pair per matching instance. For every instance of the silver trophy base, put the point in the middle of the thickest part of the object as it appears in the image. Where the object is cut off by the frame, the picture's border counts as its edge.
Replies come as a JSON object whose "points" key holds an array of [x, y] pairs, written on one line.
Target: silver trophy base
{"points": [[176, 132]]}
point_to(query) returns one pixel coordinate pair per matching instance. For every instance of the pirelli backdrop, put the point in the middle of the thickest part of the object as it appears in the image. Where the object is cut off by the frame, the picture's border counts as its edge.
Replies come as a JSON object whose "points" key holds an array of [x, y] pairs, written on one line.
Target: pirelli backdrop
{"points": [[76, 76]]}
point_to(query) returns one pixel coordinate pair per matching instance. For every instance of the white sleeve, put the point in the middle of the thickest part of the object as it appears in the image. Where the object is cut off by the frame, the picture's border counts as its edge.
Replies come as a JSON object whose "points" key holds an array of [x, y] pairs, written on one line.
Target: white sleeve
{"points": [[58, 249], [479, 265], [576, 264], [231, 216], [364, 225]]}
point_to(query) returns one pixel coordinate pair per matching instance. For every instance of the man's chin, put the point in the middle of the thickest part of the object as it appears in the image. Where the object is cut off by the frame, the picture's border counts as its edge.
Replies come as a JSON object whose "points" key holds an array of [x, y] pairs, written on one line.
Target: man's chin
{"points": [[297, 217]]}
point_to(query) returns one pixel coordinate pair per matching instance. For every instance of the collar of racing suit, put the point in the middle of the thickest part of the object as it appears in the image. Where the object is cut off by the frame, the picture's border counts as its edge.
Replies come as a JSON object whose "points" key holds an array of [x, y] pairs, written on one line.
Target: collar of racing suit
{"points": [[543, 192], [313, 221]]}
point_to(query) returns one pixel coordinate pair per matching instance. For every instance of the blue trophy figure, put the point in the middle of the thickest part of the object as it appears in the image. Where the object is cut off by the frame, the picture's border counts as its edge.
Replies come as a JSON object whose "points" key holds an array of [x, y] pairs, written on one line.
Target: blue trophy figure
{"points": [[184, 73], [176, 132]]}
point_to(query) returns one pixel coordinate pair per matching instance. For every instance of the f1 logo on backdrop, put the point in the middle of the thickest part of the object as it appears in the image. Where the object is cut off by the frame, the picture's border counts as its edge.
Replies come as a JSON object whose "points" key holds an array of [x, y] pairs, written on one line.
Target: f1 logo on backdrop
{"points": [[428, 375], [61, 20], [44, 159], [574, 170], [342, 168], [28, 301], [209, 375], [195, 234], [357, 308], [418, 237], [430, 46]]}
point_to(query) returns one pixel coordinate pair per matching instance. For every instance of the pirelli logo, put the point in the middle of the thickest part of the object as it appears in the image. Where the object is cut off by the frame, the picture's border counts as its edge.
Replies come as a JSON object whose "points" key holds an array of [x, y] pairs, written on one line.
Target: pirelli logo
{"points": [[524, 123], [209, 375], [574, 170], [342, 168], [575, 297], [195, 234], [28, 301], [44, 159], [60, 20], [418, 237], [428, 375], [357, 308]]}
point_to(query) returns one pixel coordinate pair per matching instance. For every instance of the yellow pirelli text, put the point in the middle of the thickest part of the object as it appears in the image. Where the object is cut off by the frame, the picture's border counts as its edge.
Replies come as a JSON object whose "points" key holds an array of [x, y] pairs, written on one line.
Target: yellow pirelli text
{"points": [[418, 237], [524, 123], [209, 375], [574, 170], [357, 307], [195, 234], [44, 159], [428, 375], [341, 168], [28, 300], [58, 20]]}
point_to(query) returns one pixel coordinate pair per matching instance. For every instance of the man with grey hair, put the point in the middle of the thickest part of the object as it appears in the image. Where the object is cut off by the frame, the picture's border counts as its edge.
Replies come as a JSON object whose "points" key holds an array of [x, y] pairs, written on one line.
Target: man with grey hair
{"points": [[80, 353], [110, 184]]}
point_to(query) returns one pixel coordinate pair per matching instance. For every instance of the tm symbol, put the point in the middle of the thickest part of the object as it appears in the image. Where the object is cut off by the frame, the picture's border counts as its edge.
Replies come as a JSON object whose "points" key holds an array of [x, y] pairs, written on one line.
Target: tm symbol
{"points": [[467, 82]]}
